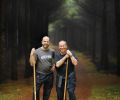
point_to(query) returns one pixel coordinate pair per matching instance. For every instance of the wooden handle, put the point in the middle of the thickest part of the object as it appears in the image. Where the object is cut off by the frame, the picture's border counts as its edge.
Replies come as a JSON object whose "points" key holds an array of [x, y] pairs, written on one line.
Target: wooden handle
{"points": [[34, 73], [66, 77]]}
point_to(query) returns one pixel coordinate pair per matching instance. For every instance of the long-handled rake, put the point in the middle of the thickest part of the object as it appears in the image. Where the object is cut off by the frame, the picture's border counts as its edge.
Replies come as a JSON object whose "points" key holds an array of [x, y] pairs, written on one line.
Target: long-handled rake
{"points": [[66, 77], [34, 74]]}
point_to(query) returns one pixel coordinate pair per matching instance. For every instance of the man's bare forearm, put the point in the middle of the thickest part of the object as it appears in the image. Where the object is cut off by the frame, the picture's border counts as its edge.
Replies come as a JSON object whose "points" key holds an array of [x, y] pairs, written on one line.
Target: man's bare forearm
{"points": [[61, 61], [32, 58], [74, 60]]}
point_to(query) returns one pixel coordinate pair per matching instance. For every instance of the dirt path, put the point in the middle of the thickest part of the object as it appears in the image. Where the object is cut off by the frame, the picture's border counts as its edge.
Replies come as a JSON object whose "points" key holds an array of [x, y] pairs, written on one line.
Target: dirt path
{"points": [[88, 78]]}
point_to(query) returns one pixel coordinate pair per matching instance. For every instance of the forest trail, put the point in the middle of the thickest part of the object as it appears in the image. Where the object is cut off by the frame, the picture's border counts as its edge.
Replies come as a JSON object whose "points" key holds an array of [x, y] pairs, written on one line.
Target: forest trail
{"points": [[91, 85]]}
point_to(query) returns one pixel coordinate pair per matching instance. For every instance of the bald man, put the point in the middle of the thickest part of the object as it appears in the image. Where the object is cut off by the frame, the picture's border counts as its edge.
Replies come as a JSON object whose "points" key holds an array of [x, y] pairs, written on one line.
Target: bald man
{"points": [[61, 60], [43, 59]]}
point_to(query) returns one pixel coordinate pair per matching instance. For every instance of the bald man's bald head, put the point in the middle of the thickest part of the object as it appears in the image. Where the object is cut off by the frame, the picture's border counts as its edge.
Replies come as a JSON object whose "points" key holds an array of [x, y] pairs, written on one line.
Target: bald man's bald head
{"points": [[63, 46], [45, 37], [45, 42], [63, 42]]}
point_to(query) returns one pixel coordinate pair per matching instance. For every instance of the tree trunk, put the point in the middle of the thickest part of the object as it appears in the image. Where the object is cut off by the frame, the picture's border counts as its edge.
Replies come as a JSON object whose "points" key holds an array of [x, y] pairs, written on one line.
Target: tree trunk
{"points": [[104, 48], [117, 22]]}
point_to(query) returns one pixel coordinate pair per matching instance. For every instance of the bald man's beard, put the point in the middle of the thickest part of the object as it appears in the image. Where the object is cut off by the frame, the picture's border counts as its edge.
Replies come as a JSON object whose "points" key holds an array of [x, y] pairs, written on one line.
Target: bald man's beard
{"points": [[45, 46]]}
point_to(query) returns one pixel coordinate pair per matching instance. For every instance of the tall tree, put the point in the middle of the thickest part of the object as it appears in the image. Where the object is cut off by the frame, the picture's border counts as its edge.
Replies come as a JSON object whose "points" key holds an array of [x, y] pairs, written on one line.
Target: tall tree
{"points": [[104, 44], [117, 22], [23, 24]]}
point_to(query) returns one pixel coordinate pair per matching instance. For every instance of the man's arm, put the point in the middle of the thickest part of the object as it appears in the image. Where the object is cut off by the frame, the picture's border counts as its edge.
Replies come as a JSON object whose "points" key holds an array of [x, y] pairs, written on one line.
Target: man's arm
{"points": [[32, 58], [61, 61], [73, 59], [53, 61]]}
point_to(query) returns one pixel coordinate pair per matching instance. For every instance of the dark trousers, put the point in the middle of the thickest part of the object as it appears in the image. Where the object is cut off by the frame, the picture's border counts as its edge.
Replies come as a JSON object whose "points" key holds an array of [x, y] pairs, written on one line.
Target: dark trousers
{"points": [[60, 82], [47, 82]]}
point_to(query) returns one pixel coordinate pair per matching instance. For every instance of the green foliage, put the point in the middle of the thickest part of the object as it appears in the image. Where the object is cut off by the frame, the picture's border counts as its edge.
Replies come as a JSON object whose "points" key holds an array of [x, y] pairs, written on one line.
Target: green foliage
{"points": [[105, 93], [67, 12], [71, 9]]}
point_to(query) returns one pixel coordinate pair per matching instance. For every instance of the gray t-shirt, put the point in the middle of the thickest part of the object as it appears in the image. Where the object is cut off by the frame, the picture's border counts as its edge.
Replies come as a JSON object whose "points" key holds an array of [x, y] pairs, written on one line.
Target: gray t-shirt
{"points": [[44, 60]]}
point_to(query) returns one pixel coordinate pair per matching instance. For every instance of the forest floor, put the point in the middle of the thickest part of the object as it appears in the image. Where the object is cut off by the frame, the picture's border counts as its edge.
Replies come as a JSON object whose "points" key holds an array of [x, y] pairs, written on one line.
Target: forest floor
{"points": [[91, 85]]}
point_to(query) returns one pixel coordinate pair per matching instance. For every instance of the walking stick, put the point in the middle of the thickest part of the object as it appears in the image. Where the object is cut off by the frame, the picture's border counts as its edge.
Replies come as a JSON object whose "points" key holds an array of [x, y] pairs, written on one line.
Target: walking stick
{"points": [[34, 73], [66, 77]]}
